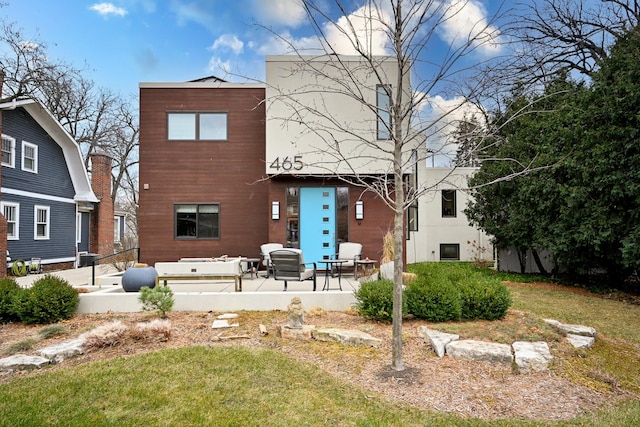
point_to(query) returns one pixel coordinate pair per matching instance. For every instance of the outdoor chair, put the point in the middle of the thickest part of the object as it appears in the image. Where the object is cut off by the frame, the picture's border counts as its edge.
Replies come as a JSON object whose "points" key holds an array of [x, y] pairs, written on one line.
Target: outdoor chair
{"points": [[264, 254], [350, 252], [288, 264]]}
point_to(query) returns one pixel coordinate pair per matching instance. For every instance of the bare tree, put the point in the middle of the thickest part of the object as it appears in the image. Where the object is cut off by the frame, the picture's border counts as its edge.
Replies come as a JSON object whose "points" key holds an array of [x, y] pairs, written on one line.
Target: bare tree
{"points": [[392, 43]]}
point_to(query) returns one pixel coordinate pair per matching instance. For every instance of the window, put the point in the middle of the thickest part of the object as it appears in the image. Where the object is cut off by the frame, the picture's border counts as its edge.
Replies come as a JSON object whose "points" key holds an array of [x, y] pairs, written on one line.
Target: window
{"points": [[449, 252], [41, 223], [197, 126], [116, 229], [8, 151], [78, 227], [11, 212], [384, 111], [412, 189], [448, 203], [197, 221], [29, 157]]}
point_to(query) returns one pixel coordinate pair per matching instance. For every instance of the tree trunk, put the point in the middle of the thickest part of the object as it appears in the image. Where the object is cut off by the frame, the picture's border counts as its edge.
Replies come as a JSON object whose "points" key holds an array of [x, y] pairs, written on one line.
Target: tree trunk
{"points": [[538, 261]]}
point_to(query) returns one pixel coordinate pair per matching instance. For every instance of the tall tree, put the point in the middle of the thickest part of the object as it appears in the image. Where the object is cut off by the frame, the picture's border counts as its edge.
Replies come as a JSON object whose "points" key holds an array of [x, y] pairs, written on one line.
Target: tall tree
{"points": [[405, 31]]}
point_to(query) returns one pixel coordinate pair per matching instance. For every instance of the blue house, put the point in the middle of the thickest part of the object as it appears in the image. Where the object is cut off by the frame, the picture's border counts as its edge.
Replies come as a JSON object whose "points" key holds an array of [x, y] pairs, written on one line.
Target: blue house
{"points": [[46, 197]]}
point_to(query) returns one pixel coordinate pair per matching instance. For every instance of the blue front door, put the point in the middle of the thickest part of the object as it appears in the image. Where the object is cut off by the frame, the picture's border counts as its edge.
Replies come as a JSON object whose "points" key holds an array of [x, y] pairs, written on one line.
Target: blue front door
{"points": [[317, 223]]}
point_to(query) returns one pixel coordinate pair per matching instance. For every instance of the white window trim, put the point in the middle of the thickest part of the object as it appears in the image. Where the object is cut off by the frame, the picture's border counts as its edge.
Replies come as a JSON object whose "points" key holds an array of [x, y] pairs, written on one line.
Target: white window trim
{"points": [[13, 152], [116, 229], [35, 157], [78, 227], [35, 222], [17, 220]]}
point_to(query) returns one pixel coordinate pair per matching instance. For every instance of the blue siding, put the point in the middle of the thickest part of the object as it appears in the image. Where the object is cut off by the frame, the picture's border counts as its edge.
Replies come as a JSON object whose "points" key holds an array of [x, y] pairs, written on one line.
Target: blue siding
{"points": [[53, 175], [62, 226]]}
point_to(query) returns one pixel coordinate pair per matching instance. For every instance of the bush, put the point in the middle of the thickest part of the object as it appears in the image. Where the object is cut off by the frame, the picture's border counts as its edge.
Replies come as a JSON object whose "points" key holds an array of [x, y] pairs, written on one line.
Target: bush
{"points": [[9, 289], [49, 300], [159, 298], [433, 300], [374, 300], [486, 299]]}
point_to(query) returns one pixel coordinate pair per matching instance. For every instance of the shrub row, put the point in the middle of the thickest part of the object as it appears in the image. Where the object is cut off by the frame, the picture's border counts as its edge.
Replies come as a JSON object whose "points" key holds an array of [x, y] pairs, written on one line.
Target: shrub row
{"points": [[49, 300], [437, 298]]}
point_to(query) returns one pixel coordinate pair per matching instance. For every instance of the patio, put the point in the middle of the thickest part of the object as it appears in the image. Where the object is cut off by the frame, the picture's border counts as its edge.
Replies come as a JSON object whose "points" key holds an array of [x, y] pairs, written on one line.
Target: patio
{"points": [[260, 294]]}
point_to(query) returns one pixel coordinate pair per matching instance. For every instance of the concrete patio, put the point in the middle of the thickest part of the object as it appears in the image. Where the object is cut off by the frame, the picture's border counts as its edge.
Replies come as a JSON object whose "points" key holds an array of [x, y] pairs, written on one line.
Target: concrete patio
{"points": [[261, 294]]}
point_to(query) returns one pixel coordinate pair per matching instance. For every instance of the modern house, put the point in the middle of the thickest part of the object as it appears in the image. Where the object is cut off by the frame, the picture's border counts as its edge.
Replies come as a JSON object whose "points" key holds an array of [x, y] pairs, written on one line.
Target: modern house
{"points": [[51, 210], [226, 167], [440, 230]]}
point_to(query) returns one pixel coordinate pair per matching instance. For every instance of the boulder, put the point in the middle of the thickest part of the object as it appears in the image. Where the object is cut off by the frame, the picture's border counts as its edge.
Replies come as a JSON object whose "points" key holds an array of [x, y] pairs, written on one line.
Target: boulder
{"points": [[585, 331], [346, 337], [531, 356], [437, 339], [480, 351], [21, 362], [64, 350], [580, 341]]}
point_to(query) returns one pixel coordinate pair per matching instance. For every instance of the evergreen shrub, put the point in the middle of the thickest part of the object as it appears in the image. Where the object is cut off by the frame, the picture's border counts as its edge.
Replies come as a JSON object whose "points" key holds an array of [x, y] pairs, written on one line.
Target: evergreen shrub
{"points": [[158, 298], [9, 289], [433, 300], [374, 300], [50, 299], [484, 298]]}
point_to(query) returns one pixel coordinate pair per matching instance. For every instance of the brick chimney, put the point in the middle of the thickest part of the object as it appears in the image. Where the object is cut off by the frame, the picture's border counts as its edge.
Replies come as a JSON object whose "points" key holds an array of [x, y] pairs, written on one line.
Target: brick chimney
{"points": [[3, 220], [101, 240]]}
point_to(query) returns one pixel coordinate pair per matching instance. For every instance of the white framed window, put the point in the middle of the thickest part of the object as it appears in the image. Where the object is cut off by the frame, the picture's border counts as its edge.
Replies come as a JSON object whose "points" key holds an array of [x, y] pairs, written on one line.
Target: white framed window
{"points": [[78, 227], [197, 126], [11, 212], [41, 223], [29, 157], [8, 151], [383, 104], [116, 229]]}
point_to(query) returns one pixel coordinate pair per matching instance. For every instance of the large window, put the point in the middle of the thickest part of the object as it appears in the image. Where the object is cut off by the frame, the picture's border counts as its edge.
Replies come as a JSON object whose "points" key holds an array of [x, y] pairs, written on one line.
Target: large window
{"points": [[8, 151], [197, 126], [384, 111], [448, 203], [41, 223], [197, 221], [29, 157], [450, 252], [116, 229], [11, 212]]}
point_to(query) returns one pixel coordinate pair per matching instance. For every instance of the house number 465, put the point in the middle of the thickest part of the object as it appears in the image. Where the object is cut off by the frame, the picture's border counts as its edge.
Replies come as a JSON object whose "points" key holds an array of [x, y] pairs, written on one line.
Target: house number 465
{"points": [[287, 164]]}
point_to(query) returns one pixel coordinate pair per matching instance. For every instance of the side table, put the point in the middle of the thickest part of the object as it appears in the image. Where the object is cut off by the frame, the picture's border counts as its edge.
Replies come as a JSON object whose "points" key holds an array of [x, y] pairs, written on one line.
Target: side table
{"points": [[367, 266]]}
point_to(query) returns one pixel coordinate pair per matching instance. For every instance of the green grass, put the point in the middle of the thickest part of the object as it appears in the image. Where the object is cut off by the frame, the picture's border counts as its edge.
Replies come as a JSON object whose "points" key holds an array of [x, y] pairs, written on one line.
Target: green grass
{"points": [[251, 386]]}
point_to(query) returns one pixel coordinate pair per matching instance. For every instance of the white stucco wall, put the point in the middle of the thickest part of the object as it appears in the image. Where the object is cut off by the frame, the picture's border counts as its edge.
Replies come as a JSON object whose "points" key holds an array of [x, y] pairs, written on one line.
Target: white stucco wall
{"points": [[433, 230], [314, 123]]}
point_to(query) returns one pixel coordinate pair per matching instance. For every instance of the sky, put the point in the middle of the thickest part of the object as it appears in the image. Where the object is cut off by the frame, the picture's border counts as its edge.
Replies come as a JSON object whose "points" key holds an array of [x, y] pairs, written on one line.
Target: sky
{"points": [[122, 43]]}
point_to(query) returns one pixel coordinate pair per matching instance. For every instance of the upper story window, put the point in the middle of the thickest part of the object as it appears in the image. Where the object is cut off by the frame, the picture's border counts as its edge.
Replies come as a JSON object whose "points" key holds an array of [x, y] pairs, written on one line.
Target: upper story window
{"points": [[8, 151], [11, 212], [197, 126], [448, 203], [197, 221], [384, 111], [116, 229], [41, 223], [29, 157]]}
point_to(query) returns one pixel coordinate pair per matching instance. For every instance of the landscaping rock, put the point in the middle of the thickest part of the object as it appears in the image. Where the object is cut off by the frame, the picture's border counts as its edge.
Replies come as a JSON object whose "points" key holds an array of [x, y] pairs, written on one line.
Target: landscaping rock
{"points": [[346, 337], [437, 339], [531, 356], [21, 362], [64, 350], [223, 323], [580, 341], [480, 351], [305, 333], [585, 331]]}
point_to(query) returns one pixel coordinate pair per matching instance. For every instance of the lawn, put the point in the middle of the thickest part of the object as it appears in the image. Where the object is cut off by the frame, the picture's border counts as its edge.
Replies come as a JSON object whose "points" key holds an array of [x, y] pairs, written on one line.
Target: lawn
{"points": [[259, 386]]}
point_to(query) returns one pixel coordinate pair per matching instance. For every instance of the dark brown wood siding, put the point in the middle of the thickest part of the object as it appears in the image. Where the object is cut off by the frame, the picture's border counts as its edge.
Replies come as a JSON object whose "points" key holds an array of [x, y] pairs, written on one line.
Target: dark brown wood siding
{"points": [[224, 172]]}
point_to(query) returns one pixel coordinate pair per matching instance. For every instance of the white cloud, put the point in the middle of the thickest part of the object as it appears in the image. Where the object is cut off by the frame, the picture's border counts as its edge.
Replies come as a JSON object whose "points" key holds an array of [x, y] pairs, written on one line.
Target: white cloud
{"points": [[193, 12], [108, 9], [289, 13], [228, 42], [467, 19], [219, 67], [364, 28]]}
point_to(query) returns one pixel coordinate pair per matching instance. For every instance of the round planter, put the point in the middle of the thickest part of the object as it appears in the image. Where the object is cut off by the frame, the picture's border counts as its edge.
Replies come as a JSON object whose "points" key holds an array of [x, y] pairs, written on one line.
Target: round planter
{"points": [[138, 277]]}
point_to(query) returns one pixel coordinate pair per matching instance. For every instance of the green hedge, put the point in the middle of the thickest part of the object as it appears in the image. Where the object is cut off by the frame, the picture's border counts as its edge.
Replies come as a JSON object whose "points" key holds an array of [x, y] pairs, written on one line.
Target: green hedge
{"points": [[484, 298], [49, 300], [374, 300], [435, 301], [9, 289]]}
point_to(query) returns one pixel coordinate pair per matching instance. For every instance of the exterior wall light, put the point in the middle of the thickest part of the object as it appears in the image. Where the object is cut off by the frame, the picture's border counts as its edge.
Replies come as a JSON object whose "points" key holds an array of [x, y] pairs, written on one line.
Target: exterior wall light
{"points": [[359, 210], [275, 210]]}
